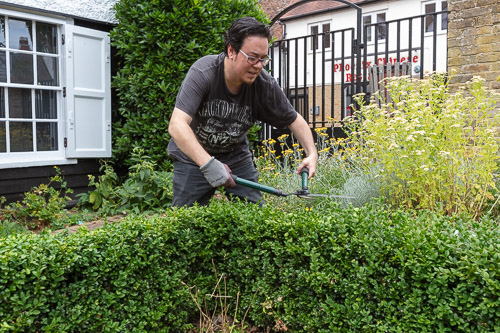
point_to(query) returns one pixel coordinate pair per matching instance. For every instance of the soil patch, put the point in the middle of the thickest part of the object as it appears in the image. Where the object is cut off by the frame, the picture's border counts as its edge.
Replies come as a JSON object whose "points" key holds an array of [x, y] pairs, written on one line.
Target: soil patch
{"points": [[92, 224]]}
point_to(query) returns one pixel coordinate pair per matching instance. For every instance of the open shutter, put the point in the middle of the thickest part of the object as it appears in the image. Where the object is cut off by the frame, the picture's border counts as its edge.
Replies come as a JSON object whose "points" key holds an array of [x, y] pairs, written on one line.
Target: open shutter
{"points": [[88, 93]]}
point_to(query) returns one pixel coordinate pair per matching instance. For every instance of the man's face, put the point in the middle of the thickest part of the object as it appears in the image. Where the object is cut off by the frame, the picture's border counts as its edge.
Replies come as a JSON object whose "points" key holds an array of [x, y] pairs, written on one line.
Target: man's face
{"points": [[253, 46]]}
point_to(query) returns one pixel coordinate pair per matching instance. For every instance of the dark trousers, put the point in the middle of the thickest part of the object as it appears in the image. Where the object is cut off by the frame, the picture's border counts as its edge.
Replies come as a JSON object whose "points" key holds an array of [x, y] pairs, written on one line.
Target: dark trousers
{"points": [[190, 185]]}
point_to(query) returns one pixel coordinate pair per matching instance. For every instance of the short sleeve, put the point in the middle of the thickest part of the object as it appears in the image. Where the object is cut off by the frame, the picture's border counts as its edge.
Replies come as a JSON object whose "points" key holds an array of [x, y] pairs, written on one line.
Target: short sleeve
{"points": [[273, 107], [196, 84], [191, 93]]}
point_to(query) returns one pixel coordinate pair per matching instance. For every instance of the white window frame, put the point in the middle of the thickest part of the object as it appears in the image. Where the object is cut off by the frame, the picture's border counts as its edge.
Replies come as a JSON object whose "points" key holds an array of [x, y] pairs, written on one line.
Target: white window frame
{"points": [[439, 7], [374, 19], [320, 26], [71, 145]]}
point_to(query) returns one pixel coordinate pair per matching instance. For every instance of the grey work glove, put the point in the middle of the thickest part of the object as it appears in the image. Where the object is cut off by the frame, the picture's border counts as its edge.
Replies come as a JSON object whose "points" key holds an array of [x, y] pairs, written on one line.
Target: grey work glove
{"points": [[217, 173]]}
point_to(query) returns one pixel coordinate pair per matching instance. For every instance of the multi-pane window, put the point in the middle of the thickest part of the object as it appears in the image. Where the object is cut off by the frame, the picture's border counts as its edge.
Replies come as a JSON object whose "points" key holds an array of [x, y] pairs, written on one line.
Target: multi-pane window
{"points": [[439, 20], [29, 85], [318, 29], [380, 30]]}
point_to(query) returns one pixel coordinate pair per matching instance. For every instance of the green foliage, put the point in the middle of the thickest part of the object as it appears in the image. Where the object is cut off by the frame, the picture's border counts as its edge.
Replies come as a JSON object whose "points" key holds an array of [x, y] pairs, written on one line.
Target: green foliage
{"points": [[253, 136], [145, 188], [327, 270], [102, 196], [116, 279], [340, 171], [44, 205], [8, 228], [157, 42], [433, 149]]}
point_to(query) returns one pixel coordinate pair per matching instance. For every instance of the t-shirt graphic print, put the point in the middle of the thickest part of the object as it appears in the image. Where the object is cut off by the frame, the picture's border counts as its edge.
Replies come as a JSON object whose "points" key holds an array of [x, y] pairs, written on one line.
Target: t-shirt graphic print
{"points": [[221, 125]]}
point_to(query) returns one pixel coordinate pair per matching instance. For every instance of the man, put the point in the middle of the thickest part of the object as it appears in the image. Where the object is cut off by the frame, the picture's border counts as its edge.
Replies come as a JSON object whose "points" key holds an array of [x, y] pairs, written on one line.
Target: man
{"points": [[219, 100]]}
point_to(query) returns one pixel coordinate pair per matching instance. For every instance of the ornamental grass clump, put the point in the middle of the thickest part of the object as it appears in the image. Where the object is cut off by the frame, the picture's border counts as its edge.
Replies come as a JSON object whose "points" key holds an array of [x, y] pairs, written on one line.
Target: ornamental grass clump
{"points": [[434, 149], [339, 170]]}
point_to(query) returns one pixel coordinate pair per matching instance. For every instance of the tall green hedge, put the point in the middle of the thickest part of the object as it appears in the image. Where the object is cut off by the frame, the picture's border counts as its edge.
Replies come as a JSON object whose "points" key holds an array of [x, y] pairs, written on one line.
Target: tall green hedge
{"points": [[156, 42], [331, 270]]}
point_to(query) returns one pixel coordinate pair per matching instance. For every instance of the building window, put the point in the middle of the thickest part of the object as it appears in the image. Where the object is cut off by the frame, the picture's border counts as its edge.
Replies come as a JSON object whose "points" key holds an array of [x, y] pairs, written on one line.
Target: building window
{"points": [[439, 20], [30, 86], [380, 30], [55, 96], [322, 29]]}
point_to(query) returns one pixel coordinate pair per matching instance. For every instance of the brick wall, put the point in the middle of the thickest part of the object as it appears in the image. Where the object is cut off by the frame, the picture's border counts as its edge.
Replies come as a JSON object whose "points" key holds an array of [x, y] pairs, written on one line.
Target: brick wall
{"points": [[328, 103], [273, 8], [473, 40]]}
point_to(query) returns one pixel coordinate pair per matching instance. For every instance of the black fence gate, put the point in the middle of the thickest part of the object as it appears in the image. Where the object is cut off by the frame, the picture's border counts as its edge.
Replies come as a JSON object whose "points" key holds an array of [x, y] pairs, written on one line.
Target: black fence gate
{"points": [[321, 72]]}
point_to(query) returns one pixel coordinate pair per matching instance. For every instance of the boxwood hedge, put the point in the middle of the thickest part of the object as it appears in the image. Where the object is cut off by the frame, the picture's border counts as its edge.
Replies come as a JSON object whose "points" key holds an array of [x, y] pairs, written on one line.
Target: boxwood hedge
{"points": [[333, 270]]}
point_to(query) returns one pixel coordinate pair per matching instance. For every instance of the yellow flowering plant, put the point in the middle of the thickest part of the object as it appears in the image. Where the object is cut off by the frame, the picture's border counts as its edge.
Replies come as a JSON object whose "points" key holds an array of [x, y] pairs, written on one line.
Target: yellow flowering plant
{"points": [[339, 170], [434, 149]]}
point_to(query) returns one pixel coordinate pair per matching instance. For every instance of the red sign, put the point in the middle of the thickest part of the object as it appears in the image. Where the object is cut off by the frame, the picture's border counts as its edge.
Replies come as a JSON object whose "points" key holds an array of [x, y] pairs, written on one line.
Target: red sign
{"points": [[337, 67]]}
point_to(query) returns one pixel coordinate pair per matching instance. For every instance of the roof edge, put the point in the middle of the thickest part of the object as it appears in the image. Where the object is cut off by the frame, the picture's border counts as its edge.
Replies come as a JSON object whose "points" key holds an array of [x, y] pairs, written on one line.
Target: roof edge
{"points": [[53, 13], [326, 10]]}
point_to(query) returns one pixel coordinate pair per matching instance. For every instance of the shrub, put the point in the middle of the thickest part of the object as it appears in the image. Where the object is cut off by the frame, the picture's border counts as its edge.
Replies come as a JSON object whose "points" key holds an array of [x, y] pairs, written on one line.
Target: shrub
{"points": [[326, 270], [42, 206], [434, 149], [7, 227], [117, 279], [146, 189], [157, 41]]}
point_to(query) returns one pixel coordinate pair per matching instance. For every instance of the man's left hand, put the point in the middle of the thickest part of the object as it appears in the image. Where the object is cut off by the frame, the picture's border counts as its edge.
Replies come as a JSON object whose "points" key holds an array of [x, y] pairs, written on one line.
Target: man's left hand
{"points": [[311, 163]]}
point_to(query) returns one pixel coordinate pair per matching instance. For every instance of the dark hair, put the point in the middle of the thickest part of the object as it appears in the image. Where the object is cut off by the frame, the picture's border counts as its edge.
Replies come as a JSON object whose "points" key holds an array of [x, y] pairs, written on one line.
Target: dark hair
{"points": [[242, 28]]}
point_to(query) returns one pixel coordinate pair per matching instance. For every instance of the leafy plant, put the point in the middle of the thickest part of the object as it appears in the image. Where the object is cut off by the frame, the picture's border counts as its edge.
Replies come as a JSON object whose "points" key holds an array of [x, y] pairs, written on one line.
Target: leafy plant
{"points": [[339, 170], [102, 195], [8, 228], [44, 205], [157, 42], [253, 136], [433, 149], [145, 188]]}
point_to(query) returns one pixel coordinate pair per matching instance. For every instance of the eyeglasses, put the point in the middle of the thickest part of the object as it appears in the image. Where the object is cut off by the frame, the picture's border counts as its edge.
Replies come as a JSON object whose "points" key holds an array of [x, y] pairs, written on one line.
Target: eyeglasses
{"points": [[254, 60]]}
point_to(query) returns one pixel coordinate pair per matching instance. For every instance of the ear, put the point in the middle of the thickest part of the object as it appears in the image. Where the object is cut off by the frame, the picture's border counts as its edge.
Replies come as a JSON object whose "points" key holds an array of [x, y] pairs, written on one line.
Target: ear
{"points": [[231, 53]]}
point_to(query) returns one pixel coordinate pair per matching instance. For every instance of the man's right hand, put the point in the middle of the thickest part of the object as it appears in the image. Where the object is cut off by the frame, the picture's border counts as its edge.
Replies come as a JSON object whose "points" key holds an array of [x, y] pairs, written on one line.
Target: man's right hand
{"points": [[217, 173]]}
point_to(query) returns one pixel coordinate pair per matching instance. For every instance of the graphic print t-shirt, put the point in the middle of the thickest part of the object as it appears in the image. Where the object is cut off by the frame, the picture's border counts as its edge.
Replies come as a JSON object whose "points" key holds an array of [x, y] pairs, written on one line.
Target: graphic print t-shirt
{"points": [[221, 119]]}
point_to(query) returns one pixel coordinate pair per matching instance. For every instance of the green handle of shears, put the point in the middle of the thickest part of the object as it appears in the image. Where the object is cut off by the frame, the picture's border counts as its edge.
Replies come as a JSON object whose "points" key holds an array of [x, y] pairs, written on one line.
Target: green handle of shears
{"points": [[305, 178], [257, 186]]}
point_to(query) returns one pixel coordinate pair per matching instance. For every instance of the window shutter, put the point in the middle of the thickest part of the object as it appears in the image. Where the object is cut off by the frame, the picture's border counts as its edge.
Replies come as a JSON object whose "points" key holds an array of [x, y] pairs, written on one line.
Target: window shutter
{"points": [[88, 93]]}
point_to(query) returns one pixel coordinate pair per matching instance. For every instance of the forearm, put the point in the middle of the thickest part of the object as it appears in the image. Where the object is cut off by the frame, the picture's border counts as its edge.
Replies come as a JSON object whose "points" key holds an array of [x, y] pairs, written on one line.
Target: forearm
{"points": [[216, 173], [185, 138], [302, 132]]}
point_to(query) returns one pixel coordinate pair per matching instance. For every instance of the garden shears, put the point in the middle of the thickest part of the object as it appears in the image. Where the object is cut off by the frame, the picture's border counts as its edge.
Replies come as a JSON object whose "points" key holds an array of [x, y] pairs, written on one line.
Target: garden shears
{"points": [[301, 193]]}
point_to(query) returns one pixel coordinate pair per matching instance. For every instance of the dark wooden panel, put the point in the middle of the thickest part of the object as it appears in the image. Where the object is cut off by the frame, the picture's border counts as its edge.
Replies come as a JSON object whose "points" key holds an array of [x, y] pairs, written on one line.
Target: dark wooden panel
{"points": [[16, 181]]}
